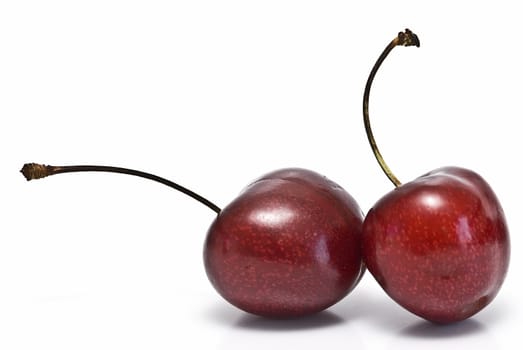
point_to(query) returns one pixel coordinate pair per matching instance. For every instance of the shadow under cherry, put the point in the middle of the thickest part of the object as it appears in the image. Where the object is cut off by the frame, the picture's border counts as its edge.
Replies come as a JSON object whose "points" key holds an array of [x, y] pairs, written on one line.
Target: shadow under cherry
{"points": [[232, 317], [425, 329], [315, 321]]}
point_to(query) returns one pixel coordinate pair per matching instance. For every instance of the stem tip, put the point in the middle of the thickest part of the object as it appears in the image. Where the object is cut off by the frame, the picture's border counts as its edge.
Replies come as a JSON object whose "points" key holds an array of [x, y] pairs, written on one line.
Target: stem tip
{"points": [[33, 171], [408, 38]]}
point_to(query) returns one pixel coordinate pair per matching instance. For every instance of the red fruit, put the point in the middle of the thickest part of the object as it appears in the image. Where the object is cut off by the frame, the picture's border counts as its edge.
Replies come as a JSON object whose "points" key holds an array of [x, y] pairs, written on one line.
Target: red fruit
{"points": [[288, 246], [439, 245]]}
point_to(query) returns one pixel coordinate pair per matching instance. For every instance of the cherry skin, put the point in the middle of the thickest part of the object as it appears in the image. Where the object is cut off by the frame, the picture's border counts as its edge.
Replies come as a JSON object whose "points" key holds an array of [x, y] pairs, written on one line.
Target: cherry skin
{"points": [[287, 246], [439, 245]]}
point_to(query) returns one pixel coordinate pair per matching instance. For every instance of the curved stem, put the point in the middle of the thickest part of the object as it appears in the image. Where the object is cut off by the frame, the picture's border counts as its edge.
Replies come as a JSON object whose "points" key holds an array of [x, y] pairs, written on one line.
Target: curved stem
{"points": [[33, 171], [406, 38]]}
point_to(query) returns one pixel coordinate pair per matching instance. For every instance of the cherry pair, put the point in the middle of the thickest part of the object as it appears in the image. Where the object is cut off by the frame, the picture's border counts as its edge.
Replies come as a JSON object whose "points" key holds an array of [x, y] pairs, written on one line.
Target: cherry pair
{"points": [[294, 243]]}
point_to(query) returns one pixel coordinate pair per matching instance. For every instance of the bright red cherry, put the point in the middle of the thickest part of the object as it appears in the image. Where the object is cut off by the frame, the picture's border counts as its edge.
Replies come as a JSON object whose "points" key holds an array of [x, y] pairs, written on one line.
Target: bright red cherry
{"points": [[439, 245], [289, 245]]}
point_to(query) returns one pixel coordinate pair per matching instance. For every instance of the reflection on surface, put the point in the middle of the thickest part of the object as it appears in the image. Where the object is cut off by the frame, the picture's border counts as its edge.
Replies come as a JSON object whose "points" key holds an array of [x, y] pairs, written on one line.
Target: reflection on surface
{"points": [[273, 217], [432, 201], [321, 250], [463, 230]]}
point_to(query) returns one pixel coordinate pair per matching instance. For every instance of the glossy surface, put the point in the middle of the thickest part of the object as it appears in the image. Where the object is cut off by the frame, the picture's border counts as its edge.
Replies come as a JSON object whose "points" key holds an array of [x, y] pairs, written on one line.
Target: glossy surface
{"points": [[288, 246], [439, 245]]}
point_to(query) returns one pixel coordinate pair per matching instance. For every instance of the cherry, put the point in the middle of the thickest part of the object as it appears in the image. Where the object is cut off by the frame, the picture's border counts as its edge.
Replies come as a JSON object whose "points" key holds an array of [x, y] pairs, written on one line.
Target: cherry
{"points": [[439, 245], [287, 246]]}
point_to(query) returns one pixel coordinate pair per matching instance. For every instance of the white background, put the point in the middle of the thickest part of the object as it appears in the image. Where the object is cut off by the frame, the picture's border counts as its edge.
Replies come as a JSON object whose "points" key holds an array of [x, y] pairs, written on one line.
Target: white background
{"points": [[213, 94]]}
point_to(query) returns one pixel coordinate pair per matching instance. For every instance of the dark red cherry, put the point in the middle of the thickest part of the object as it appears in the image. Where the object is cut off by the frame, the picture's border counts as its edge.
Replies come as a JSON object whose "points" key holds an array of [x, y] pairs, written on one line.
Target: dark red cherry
{"points": [[288, 246]]}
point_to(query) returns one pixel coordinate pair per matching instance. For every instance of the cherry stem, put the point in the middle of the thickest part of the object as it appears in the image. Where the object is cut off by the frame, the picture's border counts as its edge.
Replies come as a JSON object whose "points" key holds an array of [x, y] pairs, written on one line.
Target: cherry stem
{"points": [[33, 171], [406, 38]]}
